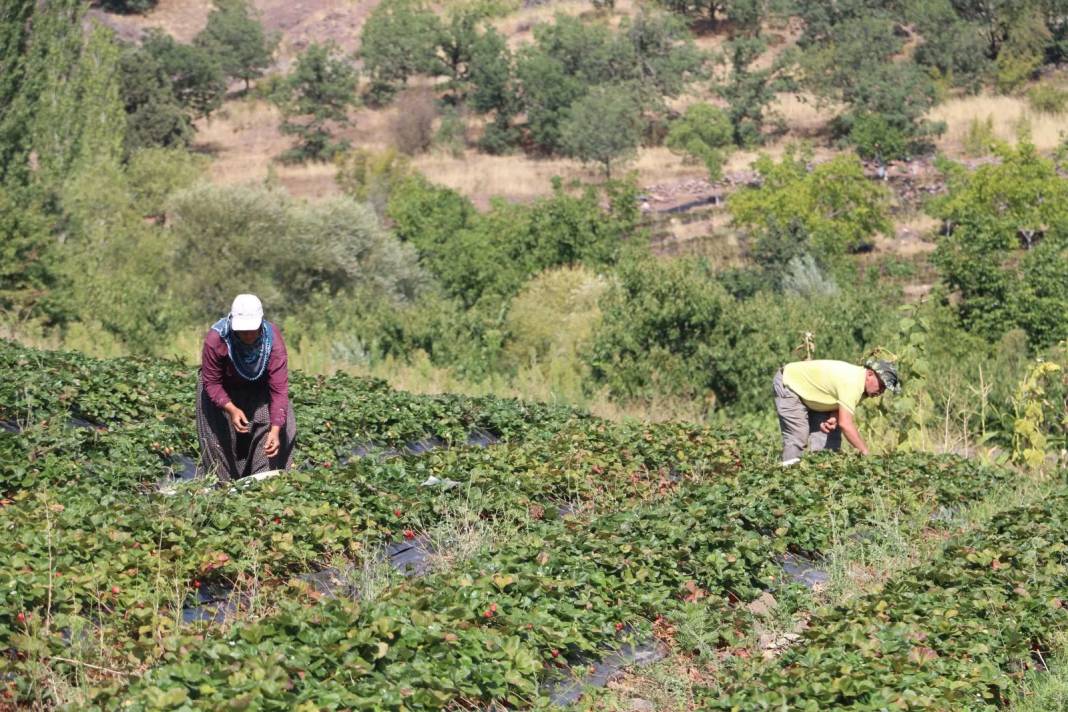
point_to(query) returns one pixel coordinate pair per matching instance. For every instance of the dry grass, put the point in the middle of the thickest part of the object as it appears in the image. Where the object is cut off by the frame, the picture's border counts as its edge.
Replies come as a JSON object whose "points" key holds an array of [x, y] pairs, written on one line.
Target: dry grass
{"points": [[479, 176], [803, 117], [518, 26], [182, 19], [1008, 113]]}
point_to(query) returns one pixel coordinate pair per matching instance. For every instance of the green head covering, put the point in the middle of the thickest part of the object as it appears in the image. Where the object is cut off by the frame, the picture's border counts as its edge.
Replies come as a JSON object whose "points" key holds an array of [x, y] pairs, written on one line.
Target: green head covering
{"points": [[887, 373]]}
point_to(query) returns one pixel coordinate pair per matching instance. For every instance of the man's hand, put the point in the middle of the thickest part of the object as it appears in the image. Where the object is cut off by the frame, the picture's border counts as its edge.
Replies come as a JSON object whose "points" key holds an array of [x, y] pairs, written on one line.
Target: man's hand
{"points": [[849, 430], [237, 418], [270, 445], [829, 425]]}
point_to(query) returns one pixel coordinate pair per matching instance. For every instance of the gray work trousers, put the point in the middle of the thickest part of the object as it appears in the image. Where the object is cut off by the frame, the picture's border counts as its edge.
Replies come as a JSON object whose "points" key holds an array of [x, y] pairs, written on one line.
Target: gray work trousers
{"points": [[800, 426]]}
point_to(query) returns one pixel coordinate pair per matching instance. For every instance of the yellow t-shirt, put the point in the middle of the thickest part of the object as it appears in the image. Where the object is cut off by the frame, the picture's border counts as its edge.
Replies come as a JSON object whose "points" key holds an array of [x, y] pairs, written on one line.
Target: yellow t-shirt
{"points": [[825, 385]]}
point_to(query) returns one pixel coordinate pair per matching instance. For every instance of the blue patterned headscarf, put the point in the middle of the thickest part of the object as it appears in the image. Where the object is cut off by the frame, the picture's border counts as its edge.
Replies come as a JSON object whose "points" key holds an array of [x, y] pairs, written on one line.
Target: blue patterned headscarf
{"points": [[250, 360]]}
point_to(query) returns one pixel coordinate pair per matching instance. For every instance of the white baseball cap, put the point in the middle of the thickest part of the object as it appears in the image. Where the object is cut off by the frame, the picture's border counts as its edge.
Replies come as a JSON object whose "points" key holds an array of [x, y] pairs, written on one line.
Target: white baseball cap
{"points": [[246, 314]]}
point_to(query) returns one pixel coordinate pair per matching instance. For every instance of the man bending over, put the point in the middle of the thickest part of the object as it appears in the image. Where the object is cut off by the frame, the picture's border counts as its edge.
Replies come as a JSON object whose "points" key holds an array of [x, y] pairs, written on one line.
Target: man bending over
{"points": [[816, 401]]}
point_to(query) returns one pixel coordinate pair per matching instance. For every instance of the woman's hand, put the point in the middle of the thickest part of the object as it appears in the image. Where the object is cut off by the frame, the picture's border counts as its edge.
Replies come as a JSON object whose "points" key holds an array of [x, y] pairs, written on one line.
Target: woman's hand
{"points": [[237, 418], [270, 445], [829, 424]]}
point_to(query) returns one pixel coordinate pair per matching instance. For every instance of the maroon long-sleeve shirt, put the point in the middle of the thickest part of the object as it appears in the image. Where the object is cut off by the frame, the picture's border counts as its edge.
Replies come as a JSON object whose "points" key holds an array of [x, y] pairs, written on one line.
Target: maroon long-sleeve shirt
{"points": [[220, 377]]}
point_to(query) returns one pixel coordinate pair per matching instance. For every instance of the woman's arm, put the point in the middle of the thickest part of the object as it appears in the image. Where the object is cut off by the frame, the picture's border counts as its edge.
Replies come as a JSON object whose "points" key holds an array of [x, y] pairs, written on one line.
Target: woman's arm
{"points": [[278, 379], [211, 370]]}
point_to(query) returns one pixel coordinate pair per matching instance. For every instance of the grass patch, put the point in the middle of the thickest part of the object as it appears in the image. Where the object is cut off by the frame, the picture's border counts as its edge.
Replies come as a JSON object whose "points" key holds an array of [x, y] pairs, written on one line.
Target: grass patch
{"points": [[1045, 691]]}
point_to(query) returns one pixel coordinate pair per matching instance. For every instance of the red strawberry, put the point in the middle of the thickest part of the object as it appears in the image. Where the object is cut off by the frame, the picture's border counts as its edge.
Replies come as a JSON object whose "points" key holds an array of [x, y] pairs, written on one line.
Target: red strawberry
{"points": [[555, 653], [277, 520], [115, 590], [21, 617], [409, 534], [397, 513], [487, 614], [619, 626], [196, 584]]}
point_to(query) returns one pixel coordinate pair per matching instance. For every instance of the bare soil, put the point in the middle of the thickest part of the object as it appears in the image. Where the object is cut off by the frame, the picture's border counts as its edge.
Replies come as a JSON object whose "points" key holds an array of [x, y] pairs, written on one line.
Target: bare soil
{"points": [[298, 22]]}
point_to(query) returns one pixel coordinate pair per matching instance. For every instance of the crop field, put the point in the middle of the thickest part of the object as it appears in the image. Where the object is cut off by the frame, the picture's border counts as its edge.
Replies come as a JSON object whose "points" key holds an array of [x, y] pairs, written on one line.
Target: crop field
{"points": [[433, 552]]}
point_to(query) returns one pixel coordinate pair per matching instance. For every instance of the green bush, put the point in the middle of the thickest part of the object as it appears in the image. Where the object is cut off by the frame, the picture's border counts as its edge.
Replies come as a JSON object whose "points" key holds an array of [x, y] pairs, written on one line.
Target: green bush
{"points": [[553, 316], [991, 214], [370, 176], [980, 139], [657, 331], [1048, 99], [669, 328], [487, 257], [825, 211], [702, 134], [236, 239]]}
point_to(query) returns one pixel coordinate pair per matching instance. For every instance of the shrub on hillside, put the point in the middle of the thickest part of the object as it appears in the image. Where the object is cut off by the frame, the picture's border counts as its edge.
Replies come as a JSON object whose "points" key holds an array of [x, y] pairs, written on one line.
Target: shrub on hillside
{"points": [[980, 139], [702, 134], [412, 127], [826, 210], [552, 317], [1048, 99], [991, 215], [236, 239], [489, 256], [370, 176], [658, 327]]}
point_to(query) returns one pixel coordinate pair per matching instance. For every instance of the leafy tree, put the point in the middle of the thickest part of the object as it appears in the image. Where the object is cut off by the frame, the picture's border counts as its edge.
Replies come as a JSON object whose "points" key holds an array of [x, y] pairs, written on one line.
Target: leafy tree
{"points": [[195, 74], [493, 90], [79, 120], [27, 253], [155, 174], [953, 47], [399, 40], [702, 133], [824, 211], [995, 17], [1023, 51], [236, 38], [656, 333], [652, 55], [59, 91], [291, 251], [661, 52], [749, 91], [17, 85], [153, 115], [886, 120], [118, 268], [740, 14], [848, 56], [548, 89], [1040, 293], [604, 127], [455, 47], [487, 257], [989, 215], [319, 92]]}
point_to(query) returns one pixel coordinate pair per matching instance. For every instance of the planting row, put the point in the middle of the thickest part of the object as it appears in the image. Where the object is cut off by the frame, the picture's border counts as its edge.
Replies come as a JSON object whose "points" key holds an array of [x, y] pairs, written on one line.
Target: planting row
{"points": [[955, 634], [136, 414]]}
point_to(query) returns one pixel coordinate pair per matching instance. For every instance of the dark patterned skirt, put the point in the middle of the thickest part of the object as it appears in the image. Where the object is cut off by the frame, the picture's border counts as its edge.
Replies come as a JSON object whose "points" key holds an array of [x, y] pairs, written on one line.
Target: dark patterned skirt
{"points": [[230, 455]]}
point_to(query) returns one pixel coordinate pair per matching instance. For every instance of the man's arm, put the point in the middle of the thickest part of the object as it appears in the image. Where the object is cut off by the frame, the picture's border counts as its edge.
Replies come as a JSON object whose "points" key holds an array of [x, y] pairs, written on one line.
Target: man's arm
{"points": [[849, 430]]}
